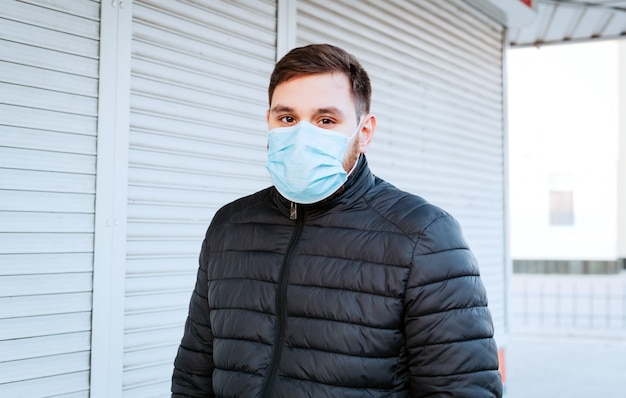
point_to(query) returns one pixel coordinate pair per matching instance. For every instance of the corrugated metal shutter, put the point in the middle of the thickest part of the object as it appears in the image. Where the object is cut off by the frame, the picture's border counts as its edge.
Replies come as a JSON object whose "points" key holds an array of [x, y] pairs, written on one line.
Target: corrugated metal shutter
{"points": [[197, 141], [48, 118], [436, 71]]}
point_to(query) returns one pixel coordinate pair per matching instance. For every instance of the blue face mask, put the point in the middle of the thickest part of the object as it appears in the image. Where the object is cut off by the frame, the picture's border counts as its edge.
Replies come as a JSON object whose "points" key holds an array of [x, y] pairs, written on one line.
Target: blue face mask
{"points": [[305, 161]]}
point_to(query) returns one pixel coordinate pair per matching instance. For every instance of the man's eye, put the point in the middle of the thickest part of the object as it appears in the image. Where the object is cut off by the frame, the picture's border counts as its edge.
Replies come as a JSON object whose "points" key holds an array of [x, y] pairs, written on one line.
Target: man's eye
{"points": [[287, 119], [326, 121]]}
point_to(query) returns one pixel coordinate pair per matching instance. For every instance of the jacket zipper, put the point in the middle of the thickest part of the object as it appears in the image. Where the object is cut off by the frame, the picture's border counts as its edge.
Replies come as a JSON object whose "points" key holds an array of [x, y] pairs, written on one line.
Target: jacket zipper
{"points": [[293, 211], [281, 306]]}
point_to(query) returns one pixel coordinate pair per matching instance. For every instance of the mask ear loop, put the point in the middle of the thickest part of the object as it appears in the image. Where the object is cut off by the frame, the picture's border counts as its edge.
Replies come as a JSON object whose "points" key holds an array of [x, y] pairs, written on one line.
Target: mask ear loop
{"points": [[358, 159], [357, 131], [358, 126]]}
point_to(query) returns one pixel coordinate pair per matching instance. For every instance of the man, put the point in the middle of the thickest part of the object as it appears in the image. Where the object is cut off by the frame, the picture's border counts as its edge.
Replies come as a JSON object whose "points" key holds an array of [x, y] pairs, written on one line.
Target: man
{"points": [[333, 283]]}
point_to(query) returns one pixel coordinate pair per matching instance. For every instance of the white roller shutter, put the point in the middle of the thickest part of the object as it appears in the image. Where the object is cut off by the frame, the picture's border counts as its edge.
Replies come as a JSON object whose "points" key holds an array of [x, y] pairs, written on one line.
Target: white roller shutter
{"points": [[197, 141], [48, 118], [436, 71]]}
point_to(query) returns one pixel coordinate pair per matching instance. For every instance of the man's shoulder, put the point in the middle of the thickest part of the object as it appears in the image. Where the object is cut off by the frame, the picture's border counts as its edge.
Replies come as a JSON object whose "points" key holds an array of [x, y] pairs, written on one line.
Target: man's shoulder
{"points": [[404, 208], [244, 203], [435, 228], [248, 200]]}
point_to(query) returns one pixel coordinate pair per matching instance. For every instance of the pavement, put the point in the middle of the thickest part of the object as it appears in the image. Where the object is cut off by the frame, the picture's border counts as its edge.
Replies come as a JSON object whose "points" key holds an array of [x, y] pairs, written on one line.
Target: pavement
{"points": [[555, 366]]}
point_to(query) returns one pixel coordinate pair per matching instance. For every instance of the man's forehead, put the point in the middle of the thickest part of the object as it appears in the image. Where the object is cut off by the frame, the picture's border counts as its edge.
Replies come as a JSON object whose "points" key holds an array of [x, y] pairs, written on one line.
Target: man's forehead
{"points": [[317, 94], [334, 81]]}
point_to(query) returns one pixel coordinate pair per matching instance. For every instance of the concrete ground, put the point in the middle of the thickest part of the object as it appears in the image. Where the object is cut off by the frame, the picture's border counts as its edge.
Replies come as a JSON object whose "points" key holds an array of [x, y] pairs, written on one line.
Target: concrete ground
{"points": [[551, 366]]}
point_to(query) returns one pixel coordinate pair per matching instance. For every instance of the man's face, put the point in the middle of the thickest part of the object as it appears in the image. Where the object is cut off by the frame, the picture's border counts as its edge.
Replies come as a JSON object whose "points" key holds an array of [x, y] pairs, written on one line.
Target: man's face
{"points": [[324, 100]]}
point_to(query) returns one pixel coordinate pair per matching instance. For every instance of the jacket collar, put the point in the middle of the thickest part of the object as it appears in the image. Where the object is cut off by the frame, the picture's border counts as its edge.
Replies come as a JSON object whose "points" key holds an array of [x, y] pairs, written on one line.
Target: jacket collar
{"points": [[359, 182]]}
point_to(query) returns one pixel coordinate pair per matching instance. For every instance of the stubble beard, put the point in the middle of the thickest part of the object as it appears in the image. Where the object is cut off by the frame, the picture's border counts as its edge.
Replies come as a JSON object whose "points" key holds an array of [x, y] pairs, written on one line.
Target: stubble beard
{"points": [[352, 155]]}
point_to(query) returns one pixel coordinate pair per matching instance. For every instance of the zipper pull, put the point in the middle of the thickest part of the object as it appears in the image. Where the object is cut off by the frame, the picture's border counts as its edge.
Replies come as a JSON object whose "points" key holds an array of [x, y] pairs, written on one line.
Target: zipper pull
{"points": [[293, 213]]}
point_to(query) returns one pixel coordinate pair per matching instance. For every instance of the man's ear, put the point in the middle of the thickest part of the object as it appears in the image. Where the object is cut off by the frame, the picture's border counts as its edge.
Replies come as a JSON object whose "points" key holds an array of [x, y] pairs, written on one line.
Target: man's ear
{"points": [[267, 117], [367, 132]]}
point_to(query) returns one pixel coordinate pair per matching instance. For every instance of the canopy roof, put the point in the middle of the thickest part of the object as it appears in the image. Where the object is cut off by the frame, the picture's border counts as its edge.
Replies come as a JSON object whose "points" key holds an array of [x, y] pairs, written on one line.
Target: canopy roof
{"points": [[562, 21]]}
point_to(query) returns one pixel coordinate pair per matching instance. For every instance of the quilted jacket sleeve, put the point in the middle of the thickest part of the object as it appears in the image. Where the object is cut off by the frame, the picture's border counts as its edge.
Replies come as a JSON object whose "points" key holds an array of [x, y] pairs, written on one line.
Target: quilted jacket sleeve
{"points": [[448, 326], [193, 365]]}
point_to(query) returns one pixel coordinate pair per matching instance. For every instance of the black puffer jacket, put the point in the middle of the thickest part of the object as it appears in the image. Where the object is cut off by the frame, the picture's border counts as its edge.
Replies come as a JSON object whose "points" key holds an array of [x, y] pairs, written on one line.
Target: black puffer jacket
{"points": [[371, 293]]}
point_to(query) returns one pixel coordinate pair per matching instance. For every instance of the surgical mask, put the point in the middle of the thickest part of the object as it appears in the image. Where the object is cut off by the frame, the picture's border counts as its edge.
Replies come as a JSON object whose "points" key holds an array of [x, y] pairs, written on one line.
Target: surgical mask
{"points": [[305, 161]]}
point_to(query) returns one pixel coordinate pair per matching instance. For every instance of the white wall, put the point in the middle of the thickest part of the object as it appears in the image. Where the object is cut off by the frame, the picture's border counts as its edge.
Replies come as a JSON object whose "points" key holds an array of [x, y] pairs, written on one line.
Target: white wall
{"points": [[563, 119]]}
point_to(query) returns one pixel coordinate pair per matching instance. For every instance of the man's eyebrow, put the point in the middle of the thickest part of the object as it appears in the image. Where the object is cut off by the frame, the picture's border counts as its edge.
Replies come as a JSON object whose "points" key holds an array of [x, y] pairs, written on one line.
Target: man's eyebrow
{"points": [[281, 108], [329, 110]]}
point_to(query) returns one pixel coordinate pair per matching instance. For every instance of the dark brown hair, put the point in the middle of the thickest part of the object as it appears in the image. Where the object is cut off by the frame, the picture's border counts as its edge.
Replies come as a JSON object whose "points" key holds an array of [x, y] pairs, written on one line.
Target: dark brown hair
{"points": [[324, 58]]}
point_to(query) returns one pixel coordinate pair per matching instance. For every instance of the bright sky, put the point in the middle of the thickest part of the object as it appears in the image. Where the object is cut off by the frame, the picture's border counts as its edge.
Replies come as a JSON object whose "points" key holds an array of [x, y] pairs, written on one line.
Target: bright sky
{"points": [[563, 101]]}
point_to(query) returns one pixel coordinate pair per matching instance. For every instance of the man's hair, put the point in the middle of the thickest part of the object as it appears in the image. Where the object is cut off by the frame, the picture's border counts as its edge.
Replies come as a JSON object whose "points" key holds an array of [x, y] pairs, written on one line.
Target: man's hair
{"points": [[324, 58]]}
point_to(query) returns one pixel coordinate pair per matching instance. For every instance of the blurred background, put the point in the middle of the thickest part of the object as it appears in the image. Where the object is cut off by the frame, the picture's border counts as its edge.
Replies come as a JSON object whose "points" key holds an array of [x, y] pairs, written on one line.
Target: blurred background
{"points": [[568, 286]]}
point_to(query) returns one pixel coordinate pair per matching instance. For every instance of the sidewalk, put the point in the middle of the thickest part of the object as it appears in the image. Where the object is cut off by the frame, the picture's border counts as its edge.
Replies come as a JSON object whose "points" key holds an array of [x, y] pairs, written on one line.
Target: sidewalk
{"points": [[568, 367]]}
